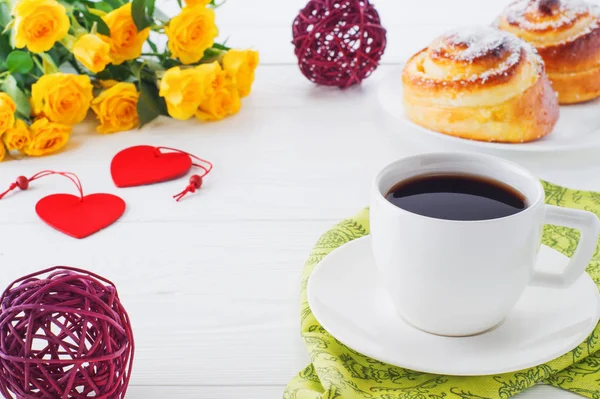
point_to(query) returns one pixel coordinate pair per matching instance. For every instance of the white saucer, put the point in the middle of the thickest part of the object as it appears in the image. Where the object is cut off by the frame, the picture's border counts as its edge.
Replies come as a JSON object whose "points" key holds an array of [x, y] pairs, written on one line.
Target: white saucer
{"points": [[346, 298], [578, 126]]}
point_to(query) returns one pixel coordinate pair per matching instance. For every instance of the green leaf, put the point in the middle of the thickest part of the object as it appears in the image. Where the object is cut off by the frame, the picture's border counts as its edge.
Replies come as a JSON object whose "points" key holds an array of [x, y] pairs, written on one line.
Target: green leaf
{"points": [[28, 80], [78, 6], [116, 72], [114, 3], [102, 6], [171, 62], [138, 13], [59, 54], [212, 55], [150, 105], [154, 66], [5, 48], [103, 29], [4, 15], [77, 20], [150, 7], [214, 4], [19, 61], [221, 46], [152, 46], [8, 27], [11, 88], [101, 26], [48, 64]]}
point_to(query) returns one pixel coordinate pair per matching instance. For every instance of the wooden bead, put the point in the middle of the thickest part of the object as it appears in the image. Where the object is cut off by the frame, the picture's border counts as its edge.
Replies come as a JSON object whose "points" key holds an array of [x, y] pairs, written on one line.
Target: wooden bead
{"points": [[196, 181], [22, 182]]}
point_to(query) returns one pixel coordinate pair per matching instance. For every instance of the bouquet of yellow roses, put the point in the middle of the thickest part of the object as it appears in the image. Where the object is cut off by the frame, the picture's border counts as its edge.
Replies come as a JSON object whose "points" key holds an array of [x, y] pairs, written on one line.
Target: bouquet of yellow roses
{"points": [[117, 68]]}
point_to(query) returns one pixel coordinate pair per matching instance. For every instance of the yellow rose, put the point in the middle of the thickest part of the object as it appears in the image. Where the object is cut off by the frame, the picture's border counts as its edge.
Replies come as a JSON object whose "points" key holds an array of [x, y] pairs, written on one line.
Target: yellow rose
{"points": [[7, 112], [213, 76], [62, 97], [223, 102], [240, 66], [39, 24], [92, 52], [125, 40], [17, 137], [107, 83], [116, 108], [2, 152], [194, 2], [183, 91], [191, 33], [47, 137]]}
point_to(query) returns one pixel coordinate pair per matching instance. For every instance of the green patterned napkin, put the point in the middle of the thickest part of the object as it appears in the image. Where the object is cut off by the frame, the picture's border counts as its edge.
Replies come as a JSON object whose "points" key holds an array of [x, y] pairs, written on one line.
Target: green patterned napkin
{"points": [[337, 371]]}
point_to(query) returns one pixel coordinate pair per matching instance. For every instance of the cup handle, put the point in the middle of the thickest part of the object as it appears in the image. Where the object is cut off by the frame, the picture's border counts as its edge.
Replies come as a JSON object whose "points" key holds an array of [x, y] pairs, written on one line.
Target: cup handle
{"points": [[589, 226]]}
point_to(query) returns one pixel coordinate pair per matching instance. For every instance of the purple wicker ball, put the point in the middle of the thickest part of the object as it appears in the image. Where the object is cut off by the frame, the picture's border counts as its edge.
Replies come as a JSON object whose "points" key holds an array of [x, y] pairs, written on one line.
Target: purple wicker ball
{"points": [[338, 42], [64, 334]]}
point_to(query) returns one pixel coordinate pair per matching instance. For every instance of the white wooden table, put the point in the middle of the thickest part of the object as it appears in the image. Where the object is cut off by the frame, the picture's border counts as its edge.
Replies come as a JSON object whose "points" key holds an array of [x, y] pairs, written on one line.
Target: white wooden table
{"points": [[212, 283]]}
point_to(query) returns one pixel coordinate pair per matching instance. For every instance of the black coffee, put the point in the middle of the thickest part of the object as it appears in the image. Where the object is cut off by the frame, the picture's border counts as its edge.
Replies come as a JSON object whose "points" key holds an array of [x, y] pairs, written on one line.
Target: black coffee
{"points": [[456, 197]]}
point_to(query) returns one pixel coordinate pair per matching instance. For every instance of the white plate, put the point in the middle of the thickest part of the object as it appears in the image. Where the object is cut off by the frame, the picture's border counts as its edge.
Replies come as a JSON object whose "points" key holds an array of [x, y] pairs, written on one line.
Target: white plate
{"points": [[578, 126], [345, 296]]}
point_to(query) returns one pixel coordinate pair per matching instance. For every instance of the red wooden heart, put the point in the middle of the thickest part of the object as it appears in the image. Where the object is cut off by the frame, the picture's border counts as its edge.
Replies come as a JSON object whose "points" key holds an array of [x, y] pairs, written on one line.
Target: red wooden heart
{"points": [[78, 217], [144, 164]]}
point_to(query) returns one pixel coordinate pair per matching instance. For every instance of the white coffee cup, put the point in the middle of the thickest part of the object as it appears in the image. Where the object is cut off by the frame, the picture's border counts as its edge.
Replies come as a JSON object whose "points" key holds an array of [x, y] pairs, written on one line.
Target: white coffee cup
{"points": [[460, 278]]}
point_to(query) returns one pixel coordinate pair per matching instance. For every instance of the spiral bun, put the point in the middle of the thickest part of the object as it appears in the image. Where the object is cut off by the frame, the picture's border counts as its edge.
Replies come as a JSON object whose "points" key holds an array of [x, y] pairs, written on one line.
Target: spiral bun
{"points": [[480, 83], [566, 33]]}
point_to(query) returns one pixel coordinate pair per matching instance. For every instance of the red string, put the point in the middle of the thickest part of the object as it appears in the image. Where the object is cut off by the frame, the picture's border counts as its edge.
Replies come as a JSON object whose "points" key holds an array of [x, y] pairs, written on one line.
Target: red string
{"points": [[182, 194], [206, 169], [22, 182], [10, 188], [195, 180]]}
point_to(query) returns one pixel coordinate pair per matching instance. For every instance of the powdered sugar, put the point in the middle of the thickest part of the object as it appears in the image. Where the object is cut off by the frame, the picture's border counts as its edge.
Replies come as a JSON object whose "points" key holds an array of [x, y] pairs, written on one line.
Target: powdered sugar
{"points": [[529, 14], [477, 42], [512, 60], [469, 44]]}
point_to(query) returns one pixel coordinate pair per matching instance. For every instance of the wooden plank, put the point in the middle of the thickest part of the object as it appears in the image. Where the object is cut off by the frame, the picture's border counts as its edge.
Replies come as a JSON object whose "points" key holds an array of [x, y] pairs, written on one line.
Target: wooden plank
{"points": [[275, 392], [205, 392], [212, 283], [210, 303], [411, 25], [299, 153]]}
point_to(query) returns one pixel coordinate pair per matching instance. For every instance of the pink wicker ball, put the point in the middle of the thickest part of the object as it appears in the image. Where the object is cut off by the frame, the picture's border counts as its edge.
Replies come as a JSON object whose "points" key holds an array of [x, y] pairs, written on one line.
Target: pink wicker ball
{"points": [[338, 42], [64, 334]]}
